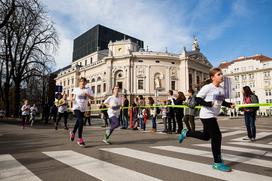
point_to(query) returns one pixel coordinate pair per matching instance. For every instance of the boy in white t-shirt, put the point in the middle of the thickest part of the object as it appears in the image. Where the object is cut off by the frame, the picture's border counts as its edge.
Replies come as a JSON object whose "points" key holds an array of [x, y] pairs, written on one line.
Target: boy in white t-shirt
{"points": [[81, 96], [114, 104], [211, 97]]}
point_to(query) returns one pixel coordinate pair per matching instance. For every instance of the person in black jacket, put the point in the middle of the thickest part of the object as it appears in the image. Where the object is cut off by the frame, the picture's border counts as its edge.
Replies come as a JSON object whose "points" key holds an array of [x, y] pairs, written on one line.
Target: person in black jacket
{"points": [[179, 111]]}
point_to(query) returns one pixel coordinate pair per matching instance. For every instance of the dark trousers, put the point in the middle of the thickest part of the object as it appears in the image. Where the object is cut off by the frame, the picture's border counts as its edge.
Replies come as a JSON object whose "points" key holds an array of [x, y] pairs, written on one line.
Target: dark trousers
{"points": [[114, 121], [88, 119], [25, 119], [125, 119], [211, 131], [250, 119], [179, 118], [79, 123], [65, 117], [189, 121]]}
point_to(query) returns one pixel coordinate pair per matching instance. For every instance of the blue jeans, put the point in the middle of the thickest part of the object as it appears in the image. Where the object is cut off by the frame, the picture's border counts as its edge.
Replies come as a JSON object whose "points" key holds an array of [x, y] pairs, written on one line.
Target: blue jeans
{"points": [[250, 119], [125, 119], [79, 123]]}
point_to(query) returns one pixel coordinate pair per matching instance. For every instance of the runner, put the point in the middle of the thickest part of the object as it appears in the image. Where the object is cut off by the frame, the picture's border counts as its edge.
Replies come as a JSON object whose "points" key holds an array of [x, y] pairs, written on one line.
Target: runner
{"points": [[211, 97], [62, 103], [81, 96], [25, 113], [33, 112], [114, 104]]}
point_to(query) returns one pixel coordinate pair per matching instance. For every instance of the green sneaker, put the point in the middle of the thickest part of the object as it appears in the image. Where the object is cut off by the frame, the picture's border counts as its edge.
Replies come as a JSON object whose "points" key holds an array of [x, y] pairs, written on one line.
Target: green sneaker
{"points": [[182, 136], [221, 167]]}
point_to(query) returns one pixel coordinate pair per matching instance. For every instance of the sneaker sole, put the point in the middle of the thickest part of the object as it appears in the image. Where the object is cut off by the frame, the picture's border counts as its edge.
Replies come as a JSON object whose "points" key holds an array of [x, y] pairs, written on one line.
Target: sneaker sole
{"points": [[221, 170], [81, 145], [108, 143]]}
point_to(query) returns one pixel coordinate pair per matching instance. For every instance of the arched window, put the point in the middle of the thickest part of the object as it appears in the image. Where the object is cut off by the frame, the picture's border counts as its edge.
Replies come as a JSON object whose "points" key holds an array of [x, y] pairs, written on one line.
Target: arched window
{"points": [[93, 80], [99, 79]]}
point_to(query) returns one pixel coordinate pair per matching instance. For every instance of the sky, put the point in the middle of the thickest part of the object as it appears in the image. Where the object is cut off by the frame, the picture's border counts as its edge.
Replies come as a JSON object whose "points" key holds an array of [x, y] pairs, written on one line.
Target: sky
{"points": [[225, 29]]}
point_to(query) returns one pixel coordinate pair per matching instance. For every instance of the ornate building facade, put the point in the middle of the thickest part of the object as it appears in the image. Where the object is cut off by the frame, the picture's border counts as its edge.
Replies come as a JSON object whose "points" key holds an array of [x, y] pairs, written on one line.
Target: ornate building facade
{"points": [[255, 72], [136, 71]]}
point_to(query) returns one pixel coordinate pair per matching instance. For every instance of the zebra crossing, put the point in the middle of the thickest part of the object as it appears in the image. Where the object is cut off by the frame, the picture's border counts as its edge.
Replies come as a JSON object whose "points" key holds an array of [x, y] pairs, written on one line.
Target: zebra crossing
{"points": [[257, 155]]}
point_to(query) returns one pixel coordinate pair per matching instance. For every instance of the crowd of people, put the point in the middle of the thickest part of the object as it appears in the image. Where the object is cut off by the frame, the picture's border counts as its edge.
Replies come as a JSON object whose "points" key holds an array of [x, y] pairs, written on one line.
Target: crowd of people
{"points": [[174, 111]]}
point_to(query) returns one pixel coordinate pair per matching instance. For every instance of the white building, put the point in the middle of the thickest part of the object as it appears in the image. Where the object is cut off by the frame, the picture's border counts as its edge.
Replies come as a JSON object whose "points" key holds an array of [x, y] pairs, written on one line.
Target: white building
{"points": [[255, 72]]}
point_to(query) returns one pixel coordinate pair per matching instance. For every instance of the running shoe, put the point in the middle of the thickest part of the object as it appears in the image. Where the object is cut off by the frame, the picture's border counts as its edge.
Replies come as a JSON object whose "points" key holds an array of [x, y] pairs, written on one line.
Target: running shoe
{"points": [[182, 136], [106, 139], [72, 136], [246, 138], [81, 142], [221, 167]]}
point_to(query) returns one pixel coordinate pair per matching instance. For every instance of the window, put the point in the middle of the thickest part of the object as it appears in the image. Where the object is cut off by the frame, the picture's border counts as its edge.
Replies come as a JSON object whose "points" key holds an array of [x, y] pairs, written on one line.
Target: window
{"points": [[173, 62], [157, 61], [140, 61], [98, 89], [197, 81], [68, 81], [72, 81], [93, 89], [251, 76], [190, 81], [251, 84], [173, 85], [268, 92], [267, 74], [237, 94], [120, 85], [91, 60], [140, 84], [236, 78], [93, 80], [243, 77], [63, 83], [67, 92], [237, 86], [86, 62], [104, 87]]}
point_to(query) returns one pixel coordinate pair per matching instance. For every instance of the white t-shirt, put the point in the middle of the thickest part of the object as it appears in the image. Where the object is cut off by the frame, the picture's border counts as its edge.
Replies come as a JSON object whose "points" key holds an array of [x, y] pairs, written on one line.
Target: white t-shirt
{"points": [[81, 101], [113, 101], [62, 108], [211, 93], [25, 110], [33, 110]]}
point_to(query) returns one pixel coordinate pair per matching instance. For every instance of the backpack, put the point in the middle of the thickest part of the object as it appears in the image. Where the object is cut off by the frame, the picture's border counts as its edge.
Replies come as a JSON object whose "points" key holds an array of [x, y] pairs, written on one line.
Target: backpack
{"points": [[158, 110], [254, 100]]}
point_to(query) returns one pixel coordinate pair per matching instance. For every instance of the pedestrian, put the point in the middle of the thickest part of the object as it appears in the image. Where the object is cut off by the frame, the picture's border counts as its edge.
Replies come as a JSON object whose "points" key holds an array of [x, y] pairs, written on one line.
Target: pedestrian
{"points": [[62, 105], [164, 116], [171, 115], [104, 113], [153, 113], [114, 104], [141, 111], [179, 111], [135, 114], [211, 97], [125, 112], [81, 96], [53, 112], [25, 113], [87, 115], [189, 113], [33, 113], [250, 112]]}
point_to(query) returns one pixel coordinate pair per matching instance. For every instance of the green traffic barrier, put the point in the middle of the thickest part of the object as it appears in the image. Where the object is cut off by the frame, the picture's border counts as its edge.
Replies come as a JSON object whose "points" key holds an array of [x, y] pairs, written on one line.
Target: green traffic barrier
{"points": [[184, 106]]}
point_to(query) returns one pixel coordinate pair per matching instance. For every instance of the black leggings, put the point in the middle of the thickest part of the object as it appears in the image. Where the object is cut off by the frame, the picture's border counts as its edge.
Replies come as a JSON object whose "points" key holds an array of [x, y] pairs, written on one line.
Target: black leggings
{"points": [[210, 131], [65, 116], [79, 123]]}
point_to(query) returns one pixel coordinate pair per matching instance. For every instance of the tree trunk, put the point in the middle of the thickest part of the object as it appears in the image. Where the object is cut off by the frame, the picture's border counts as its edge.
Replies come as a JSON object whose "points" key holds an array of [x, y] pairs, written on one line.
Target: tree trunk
{"points": [[17, 97], [6, 99]]}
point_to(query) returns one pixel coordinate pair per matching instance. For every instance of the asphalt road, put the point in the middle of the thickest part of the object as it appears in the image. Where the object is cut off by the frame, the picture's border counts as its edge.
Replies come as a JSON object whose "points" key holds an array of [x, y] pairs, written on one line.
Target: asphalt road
{"points": [[43, 153]]}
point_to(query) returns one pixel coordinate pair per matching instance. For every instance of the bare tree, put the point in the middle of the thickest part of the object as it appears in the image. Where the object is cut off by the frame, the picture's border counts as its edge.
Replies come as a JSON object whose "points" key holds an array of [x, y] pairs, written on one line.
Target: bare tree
{"points": [[31, 39], [7, 7]]}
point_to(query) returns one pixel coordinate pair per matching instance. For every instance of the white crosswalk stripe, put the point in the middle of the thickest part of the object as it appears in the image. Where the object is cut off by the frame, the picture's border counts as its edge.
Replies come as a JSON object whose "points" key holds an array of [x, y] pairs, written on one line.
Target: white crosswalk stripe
{"points": [[12, 170], [198, 168], [235, 158], [232, 133], [250, 144], [258, 136], [96, 167], [238, 149]]}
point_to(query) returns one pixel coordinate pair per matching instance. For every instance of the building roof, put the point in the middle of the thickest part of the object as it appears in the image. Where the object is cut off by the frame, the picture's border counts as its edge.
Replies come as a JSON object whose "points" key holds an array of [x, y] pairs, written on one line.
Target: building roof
{"points": [[259, 57]]}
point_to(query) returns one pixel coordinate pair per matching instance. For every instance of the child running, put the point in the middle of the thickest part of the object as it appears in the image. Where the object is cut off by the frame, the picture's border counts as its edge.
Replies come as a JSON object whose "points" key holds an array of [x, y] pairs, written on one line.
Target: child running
{"points": [[114, 104], [81, 96], [211, 97]]}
